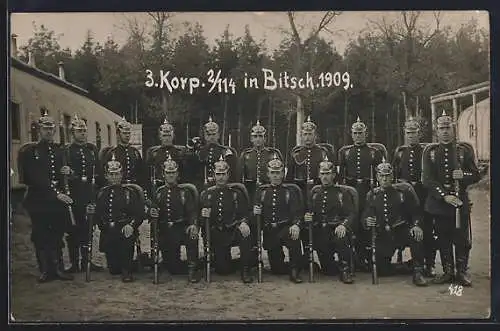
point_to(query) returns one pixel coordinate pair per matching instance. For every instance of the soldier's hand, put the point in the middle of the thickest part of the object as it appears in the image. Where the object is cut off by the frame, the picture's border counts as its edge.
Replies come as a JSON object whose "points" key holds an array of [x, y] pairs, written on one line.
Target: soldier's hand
{"points": [[457, 174], [294, 232], [257, 210], [340, 231], [90, 209], [65, 170], [153, 212], [453, 200], [64, 198], [308, 217], [205, 212], [371, 222], [192, 231], [127, 230], [244, 229], [417, 233]]}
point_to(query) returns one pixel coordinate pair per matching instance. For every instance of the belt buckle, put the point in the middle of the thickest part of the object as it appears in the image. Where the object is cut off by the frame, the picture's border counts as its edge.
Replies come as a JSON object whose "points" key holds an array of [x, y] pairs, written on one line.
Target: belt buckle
{"points": [[413, 183], [359, 180], [210, 179], [170, 224], [310, 181], [112, 224], [324, 225], [84, 179], [274, 224]]}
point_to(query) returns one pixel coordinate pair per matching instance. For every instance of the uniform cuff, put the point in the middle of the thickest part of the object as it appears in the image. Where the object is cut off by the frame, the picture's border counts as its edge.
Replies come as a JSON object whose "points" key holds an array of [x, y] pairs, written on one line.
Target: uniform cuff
{"points": [[440, 192]]}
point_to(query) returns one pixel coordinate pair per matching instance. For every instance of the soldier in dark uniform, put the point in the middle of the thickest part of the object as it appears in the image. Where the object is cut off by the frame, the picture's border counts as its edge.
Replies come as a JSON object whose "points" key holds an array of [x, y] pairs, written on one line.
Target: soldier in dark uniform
{"points": [[82, 158], [41, 168], [127, 155], [395, 214], [226, 208], [333, 215], [201, 160], [444, 164], [357, 164], [176, 207], [119, 210], [407, 165], [281, 212]]}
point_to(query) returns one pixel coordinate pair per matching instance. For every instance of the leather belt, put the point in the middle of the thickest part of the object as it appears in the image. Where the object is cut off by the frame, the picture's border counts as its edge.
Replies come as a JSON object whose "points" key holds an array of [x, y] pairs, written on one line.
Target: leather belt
{"points": [[323, 224], [357, 180], [274, 224], [172, 223]]}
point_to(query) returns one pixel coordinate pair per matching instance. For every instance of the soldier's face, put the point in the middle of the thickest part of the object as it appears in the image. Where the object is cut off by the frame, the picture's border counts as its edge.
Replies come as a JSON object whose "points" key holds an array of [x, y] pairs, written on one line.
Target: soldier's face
{"points": [[80, 135], [171, 177], [211, 137], [385, 180], [412, 137], [166, 138], [275, 177], [308, 137], [257, 140], [221, 178], [445, 134], [358, 137], [114, 178], [47, 133], [327, 177], [124, 136]]}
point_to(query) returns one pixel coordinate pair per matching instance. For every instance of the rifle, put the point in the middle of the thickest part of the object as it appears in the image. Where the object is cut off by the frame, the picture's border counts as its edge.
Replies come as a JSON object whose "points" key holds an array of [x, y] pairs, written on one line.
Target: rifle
{"points": [[90, 223], [259, 245], [206, 204], [309, 185], [457, 210], [374, 238], [155, 229], [66, 187]]}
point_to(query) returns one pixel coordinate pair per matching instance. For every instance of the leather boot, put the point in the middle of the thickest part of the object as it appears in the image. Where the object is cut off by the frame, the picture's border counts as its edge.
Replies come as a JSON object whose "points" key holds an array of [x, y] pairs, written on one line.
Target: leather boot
{"points": [[429, 271], [193, 274], [463, 278], [127, 276], [44, 266], [418, 277], [345, 275], [447, 277], [58, 267], [294, 276], [246, 277]]}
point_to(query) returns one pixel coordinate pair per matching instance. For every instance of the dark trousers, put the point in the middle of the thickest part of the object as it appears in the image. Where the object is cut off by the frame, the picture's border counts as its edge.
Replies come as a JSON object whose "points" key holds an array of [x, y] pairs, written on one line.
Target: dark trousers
{"points": [[327, 243], [274, 240], [171, 239], [222, 239], [78, 237], [447, 236], [119, 250]]}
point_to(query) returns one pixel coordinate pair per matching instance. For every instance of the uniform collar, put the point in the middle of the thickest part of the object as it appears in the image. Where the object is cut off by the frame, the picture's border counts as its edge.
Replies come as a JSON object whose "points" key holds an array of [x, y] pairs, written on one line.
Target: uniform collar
{"points": [[360, 145]]}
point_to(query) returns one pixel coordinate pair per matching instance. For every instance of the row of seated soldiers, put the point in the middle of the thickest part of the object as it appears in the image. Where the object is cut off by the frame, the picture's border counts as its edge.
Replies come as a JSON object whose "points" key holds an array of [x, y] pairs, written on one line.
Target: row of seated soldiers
{"points": [[196, 163]]}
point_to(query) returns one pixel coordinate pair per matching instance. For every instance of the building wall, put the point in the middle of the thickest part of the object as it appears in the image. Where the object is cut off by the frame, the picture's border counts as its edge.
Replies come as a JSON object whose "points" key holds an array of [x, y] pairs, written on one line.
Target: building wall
{"points": [[466, 129]]}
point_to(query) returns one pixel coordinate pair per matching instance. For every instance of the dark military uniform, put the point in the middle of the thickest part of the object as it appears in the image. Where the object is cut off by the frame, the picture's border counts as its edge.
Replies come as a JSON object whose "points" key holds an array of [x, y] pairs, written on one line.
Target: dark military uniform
{"points": [[396, 209], [39, 168], [118, 206], [332, 206], [438, 162], [407, 165]]}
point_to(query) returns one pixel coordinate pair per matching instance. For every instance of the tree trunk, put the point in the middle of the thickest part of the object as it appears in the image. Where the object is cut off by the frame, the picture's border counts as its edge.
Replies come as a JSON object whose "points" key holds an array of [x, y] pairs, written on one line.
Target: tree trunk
{"points": [[346, 108], [398, 116], [164, 105], [300, 120], [240, 124], [373, 118], [224, 122], [269, 121]]}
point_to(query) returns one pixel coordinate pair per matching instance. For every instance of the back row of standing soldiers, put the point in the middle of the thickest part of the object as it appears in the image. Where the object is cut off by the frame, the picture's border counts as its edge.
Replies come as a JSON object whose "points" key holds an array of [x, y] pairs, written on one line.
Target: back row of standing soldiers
{"points": [[79, 180]]}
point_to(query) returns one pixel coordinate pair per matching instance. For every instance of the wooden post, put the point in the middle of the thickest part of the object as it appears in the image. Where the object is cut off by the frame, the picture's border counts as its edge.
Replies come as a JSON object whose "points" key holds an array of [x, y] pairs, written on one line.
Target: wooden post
{"points": [[433, 121]]}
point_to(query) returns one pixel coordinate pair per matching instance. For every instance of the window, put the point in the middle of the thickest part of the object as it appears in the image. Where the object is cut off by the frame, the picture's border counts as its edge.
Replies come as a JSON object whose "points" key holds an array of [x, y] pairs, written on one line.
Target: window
{"points": [[109, 135], [471, 130], [98, 135], [15, 121]]}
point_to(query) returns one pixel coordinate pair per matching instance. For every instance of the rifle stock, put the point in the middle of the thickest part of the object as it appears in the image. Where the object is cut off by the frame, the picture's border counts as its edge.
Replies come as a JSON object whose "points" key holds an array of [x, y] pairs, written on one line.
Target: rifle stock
{"points": [[90, 221], [155, 229], [259, 249]]}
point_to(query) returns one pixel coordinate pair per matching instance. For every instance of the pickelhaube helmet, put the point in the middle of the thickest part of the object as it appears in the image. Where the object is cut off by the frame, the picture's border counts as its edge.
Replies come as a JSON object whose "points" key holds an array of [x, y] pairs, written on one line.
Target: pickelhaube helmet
{"points": [[444, 120], [77, 123], [170, 165], [308, 125], [326, 166], [258, 130], [211, 126], [166, 127], [384, 168], [221, 166], [275, 164], [113, 166], [412, 125], [46, 121], [358, 126], [124, 126]]}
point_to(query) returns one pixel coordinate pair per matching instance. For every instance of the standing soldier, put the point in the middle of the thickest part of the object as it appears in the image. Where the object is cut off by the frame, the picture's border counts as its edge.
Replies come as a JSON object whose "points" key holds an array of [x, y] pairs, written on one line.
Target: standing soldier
{"points": [[128, 156], [448, 168], [41, 168], [357, 168], [82, 158], [393, 210], [407, 165], [333, 213], [175, 206], [119, 210], [203, 157], [225, 207], [281, 210]]}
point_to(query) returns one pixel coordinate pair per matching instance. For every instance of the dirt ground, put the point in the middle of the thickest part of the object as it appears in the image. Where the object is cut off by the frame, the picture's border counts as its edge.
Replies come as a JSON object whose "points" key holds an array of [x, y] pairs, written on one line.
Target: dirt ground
{"points": [[106, 298]]}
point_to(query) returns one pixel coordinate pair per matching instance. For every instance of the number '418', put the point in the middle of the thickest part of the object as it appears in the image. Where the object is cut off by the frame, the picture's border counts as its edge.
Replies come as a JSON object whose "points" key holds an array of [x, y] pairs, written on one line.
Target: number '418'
{"points": [[456, 290]]}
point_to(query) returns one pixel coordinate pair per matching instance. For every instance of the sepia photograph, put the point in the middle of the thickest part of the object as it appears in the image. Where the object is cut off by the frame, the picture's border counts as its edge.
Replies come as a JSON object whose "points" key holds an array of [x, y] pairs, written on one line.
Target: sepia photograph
{"points": [[249, 166]]}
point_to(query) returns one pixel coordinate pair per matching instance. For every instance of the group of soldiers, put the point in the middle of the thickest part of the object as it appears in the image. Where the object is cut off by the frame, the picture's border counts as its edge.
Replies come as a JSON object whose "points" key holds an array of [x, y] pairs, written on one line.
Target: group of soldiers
{"points": [[351, 206]]}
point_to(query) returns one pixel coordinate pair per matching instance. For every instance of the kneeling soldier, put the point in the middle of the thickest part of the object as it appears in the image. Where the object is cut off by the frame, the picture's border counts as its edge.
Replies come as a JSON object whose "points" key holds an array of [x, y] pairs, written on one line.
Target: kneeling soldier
{"points": [[391, 208], [119, 212], [225, 207], [281, 210], [333, 213], [176, 211]]}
